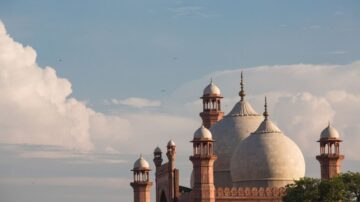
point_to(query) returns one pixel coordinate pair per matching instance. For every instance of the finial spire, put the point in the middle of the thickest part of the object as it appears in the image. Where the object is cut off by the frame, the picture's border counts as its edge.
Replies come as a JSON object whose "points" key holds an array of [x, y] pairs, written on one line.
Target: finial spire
{"points": [[210, 79], [242, 92], [266, 113]]}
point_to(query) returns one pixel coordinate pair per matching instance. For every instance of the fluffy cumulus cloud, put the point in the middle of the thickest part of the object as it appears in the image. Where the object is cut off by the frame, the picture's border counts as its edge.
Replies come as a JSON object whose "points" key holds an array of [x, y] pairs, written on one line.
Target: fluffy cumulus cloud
{"points": [[36, 107]]}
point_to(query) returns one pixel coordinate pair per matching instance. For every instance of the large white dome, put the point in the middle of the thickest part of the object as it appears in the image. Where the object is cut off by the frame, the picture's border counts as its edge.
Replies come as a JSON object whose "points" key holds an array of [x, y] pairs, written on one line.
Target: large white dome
{"points": [[227, 133], [267, 158]]}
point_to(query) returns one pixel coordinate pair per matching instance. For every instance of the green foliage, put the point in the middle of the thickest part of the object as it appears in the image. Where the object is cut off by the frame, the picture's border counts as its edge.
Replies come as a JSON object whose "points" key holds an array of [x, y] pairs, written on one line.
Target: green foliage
{"points": [[345, 187], [305, 189], [352, 186]]}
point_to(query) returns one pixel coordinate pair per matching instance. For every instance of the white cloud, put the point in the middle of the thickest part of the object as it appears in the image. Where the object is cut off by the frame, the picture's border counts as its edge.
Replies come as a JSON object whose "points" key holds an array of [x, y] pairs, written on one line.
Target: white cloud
{"points": [[36, 107], [137, 102]]}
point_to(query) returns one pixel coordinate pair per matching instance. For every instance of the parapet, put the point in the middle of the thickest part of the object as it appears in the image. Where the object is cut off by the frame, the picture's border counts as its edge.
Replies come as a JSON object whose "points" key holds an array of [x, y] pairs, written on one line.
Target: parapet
{"points": [[249, 194]]}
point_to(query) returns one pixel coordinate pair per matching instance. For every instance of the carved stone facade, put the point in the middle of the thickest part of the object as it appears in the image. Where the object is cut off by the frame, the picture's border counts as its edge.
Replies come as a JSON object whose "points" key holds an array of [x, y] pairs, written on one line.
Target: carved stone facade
{"points": [[249, 194]]}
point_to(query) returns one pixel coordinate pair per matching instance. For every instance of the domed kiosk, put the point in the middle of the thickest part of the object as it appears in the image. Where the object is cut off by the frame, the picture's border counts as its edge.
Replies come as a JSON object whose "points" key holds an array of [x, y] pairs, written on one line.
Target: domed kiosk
{"points": [[228, 132], [329, 133], [330, 157], [211, 89], [267, 158]]}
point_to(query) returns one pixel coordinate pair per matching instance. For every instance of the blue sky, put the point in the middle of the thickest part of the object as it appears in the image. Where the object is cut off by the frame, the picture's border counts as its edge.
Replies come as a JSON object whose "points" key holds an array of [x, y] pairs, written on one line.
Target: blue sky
{"points": [[126, 76], [117, 46]]}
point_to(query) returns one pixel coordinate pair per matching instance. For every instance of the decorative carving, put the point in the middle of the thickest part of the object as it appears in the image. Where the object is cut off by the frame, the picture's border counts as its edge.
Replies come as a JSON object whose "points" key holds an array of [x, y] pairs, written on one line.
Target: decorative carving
{"points": [[233, 191], [247, 191], [250, 193], [268, 191], [227, 191], [254, 191], [241, 191], [275, 191], [220, 192], [261, 192]]}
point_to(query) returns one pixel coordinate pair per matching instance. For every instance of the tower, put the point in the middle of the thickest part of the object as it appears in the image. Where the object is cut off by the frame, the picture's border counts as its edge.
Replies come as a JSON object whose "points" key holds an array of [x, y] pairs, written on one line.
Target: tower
{"points": [[141, 183], [158, 162], [173, 177], [330, 157], [211, 105], [203, 159]]}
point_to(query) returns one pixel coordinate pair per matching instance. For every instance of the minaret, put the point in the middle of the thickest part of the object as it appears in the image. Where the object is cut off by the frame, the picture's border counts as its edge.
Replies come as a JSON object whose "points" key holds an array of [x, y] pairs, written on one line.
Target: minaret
{"points": [[211, 105], [173, 177], [141, 183], [330, 157], [158, 162], [203, 159]]}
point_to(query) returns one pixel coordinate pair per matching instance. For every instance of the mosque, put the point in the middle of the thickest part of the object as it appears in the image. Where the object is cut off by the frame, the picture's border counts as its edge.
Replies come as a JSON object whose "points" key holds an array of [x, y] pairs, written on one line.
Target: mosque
{"points": [[242, 156]]}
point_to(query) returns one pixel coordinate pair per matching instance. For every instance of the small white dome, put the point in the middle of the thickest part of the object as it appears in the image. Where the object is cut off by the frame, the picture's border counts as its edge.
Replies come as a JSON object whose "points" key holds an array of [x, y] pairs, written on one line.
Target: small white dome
{"points": [[171, 143], [211, 89], [202, 134], [157, 150], [330, 132], [141, 164]]}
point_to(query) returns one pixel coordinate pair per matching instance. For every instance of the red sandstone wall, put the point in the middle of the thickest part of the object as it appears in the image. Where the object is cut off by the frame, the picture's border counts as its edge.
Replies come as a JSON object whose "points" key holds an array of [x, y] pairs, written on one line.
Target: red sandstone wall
{"points": [[252, 194]]}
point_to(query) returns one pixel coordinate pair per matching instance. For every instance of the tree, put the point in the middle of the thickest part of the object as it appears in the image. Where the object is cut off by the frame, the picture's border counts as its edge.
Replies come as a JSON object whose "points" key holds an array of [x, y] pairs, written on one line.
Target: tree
{"points": [[331, 190], [345, 187], [303, 190], [352, 186]]}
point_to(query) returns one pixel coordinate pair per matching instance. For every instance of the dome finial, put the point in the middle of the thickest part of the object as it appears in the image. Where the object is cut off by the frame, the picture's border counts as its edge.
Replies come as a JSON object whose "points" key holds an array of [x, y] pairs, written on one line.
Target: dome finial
{"points": [[266, 113], [242, 92], [211, 80]]}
